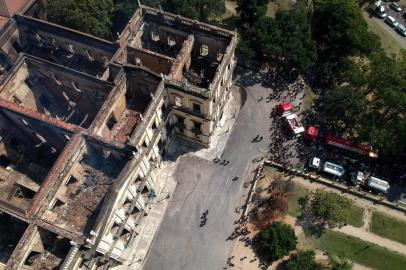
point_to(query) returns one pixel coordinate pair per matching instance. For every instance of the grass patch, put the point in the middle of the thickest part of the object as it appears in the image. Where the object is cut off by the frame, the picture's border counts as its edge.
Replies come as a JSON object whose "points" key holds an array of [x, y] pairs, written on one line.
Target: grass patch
{"points": [[388, 227], [294, 208], [388, 43], [355, 215], [231, 6], [272, 7], [356, 250], [275, 5], [308, 99], [229, 18]]}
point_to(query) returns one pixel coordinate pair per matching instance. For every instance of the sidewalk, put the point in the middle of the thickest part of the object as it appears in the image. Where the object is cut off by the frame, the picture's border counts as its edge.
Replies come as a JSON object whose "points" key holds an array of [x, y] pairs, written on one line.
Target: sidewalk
{"points": [[224, 126], [373, 238], [164, 187]]}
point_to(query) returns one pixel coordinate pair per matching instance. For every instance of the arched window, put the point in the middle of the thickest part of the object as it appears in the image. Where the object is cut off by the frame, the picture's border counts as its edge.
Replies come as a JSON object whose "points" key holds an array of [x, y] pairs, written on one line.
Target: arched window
{"points": [[171, 41], [155, 35]]}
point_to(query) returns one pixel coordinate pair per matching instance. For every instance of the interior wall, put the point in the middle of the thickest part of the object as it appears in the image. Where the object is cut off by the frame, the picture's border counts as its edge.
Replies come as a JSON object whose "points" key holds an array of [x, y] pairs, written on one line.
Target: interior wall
{"points": [[36, 135], [155, 63]]}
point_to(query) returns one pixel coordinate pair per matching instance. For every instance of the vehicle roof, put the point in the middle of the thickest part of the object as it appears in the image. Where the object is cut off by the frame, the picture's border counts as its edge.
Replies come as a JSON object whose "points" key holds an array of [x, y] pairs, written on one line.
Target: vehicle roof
{"points": [[291, 116], [333, 168], [285, 106], [315, 161], [331, 164], [378, 184]]}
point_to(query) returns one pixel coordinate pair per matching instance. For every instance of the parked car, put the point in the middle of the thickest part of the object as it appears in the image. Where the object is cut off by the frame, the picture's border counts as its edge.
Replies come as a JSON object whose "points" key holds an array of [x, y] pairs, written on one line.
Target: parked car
{"points": [[391, 21], [401, 29], [395, 6], [380, 12], [378, 9]]}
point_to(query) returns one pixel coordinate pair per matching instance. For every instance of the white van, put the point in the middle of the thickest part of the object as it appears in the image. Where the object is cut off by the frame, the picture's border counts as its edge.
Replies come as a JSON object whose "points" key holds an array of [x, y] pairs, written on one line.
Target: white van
{"points": [[333, 169]]}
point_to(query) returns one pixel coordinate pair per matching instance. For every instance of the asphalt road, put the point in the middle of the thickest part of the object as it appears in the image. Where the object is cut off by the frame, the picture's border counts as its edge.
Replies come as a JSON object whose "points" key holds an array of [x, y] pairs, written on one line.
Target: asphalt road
{"points": [[181, 243]]}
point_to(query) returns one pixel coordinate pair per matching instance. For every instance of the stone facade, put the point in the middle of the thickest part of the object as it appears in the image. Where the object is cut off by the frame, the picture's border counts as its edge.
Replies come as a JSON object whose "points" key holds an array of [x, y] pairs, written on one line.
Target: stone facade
{"points": [[84, 123]]}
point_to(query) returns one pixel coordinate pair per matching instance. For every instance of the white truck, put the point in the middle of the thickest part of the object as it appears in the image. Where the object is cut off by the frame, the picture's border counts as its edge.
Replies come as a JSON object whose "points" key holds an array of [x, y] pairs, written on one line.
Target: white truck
{"points": [[326, 167], [372, 182]]}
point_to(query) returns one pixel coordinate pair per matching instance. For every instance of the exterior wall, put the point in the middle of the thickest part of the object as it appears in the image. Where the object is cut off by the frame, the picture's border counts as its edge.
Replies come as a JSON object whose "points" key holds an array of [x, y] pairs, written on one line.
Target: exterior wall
{"points": [[52, 35]]}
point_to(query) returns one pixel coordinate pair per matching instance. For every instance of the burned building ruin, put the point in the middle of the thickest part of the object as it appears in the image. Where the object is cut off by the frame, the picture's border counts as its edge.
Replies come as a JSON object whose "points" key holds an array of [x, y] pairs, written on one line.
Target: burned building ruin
{"points": [[84, 123]]}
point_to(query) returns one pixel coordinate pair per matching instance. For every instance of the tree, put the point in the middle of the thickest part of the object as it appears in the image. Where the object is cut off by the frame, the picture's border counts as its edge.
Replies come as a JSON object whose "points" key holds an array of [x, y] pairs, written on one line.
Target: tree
{"points": [[275, 204], [303, 260], [297, 49], [279, 194], [284, 40], [344, 105], [340, 30], [277, 241], [368, 101], [201, 10], [123, 11], [90, 16], [250, 11], [329, 208]]}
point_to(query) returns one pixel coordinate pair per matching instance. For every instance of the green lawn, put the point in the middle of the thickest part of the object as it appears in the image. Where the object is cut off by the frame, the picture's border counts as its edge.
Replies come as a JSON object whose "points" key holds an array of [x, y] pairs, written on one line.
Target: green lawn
{"points": [[308, 99], [357, 250], [294, 208], [388, 227], [354, 213], [354, 216], [276, 5], [389, 44]]}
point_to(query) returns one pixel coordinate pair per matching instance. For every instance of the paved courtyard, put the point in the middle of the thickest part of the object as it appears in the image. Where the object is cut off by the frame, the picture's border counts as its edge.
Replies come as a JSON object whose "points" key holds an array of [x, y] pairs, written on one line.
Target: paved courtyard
{"points": [[203, 185]]}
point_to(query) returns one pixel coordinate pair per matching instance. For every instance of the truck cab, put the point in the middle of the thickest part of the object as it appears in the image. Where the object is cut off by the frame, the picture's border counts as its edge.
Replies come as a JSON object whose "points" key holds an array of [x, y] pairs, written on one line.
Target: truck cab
{"points": [[357, 178], [314, 163]]}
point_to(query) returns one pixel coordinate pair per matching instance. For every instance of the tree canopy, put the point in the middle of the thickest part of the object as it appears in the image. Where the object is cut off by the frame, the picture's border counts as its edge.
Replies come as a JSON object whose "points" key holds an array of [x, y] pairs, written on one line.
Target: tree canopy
{"points": [[303, 260], [284, 40], [277, 241], [250, 11], [340, 30], [368, 101], [90, 16], [329, 208]]}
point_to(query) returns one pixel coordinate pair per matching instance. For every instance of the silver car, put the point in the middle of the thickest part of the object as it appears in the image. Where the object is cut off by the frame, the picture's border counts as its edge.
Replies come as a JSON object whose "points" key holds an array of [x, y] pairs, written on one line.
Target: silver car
{"points": [[396, 6], [391, 21], [401, 29]]}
